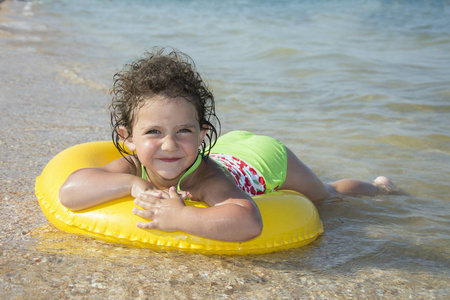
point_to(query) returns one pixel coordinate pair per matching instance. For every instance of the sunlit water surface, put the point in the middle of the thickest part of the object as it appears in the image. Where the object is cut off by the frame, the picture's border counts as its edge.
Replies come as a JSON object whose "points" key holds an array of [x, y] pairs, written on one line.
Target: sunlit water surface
{"points": [[355, 89]]}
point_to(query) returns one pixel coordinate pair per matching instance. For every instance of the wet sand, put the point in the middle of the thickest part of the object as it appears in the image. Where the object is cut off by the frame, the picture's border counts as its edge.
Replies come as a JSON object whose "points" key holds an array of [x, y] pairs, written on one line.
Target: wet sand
{"points": [[43, 113]]}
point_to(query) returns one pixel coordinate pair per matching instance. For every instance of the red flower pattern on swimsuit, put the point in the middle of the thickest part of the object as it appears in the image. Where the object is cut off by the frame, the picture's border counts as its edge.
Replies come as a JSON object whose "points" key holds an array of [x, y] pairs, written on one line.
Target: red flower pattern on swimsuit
{"points": [[245, 176]]}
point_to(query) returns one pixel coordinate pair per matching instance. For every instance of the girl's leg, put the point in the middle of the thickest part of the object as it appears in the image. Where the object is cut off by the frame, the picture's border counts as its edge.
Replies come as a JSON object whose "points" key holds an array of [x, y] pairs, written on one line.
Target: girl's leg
{"points": [[300, 178], [354, 187], [381, 185]]}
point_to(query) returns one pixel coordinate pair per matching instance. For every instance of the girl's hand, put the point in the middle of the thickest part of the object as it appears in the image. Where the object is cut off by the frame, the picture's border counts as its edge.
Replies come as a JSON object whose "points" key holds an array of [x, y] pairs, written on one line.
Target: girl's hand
{"points": [[162, 207], [140, 186]]}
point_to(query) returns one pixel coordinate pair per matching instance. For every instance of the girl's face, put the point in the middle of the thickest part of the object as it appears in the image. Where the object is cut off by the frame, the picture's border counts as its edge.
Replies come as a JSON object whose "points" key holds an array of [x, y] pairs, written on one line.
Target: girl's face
{"points": [[166, 137]]}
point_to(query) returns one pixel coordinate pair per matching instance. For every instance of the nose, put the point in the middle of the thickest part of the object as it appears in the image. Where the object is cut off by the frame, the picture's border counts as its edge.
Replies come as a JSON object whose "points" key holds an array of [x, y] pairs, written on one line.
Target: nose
{"points": [[169, 144]]}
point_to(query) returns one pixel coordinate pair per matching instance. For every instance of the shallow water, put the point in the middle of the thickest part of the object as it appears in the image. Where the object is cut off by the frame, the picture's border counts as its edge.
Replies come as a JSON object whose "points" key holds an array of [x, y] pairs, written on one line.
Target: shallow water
{"points": [[357, 90]]}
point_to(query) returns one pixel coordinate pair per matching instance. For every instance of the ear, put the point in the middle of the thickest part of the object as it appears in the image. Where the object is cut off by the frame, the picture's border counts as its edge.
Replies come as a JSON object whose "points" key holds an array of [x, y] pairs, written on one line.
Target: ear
{"points": [[127, 138], [203, 133]]}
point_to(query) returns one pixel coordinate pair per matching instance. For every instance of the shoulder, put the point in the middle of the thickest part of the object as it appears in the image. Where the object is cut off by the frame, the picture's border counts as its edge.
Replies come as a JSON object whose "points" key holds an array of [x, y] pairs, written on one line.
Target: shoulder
{"points": [[214, 185], [128, 165]]}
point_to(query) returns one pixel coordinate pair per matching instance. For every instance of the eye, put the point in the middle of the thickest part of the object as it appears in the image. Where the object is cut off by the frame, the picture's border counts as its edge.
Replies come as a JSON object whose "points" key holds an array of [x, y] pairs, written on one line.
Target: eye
{"points": [[185, 130], [153, 131]]}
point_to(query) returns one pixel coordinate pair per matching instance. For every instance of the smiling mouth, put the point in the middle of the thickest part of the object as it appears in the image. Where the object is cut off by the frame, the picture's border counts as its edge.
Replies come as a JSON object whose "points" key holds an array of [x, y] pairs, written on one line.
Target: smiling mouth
{"points": [[169, 160]]}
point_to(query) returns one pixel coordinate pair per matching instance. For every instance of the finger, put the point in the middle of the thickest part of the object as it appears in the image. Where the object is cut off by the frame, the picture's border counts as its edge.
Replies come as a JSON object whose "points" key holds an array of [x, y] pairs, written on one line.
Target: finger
{"points": [[145, 203], [165, 194], [146, 214], [157, 194], [173, 192], [147, 225], [182, 194], [150, 193]]}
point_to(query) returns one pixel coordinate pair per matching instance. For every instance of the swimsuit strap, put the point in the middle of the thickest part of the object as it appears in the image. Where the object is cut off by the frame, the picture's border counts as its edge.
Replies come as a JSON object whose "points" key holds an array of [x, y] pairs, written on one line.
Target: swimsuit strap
{"points": [[144, 172], [189, 171]]}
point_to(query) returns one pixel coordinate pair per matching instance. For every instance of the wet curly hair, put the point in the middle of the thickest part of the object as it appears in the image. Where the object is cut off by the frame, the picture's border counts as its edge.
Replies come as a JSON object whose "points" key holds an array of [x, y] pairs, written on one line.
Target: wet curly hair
{"points": [[161, 72]]}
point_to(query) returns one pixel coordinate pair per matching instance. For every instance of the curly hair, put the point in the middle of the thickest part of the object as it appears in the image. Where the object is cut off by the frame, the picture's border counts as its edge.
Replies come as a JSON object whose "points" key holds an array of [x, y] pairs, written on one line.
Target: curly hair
{"points": [[169, 75]]}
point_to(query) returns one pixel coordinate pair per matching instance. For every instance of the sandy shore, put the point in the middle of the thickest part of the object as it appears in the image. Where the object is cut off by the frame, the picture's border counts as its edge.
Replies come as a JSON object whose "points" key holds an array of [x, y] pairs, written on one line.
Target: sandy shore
{"points": [[43, 113]]}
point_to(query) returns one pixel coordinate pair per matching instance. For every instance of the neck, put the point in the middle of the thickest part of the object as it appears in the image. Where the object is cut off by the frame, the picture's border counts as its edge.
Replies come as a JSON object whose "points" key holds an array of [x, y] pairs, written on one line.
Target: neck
{"points": [[163, 183], [190, 170]]}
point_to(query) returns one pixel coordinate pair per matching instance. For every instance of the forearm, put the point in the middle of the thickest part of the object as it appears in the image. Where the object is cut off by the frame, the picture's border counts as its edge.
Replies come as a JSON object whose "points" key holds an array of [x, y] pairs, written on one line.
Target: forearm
{"points": [[89, 187], [227, 222]]}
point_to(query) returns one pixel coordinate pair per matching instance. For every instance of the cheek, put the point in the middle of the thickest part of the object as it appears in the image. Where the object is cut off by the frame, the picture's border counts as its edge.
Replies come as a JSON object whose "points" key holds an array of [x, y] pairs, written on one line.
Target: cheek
{"points": [[191, 145], [147, 148]]}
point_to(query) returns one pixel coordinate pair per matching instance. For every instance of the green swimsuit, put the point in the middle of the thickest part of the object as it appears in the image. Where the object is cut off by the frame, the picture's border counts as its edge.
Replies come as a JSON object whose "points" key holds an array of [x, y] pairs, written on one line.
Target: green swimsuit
{"points": [[257, 163]]}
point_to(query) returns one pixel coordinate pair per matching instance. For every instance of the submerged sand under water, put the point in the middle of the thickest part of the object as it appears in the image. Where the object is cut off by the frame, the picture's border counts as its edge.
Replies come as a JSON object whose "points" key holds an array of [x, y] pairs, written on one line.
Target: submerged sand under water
{"points": [[46, 106]]}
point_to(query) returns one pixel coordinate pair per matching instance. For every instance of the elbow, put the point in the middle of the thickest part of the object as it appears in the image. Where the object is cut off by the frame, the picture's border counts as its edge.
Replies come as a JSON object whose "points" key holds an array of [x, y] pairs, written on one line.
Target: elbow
{"points": [[66, 200], [253, 228], [69, 193], [257, 222], [257, 228], [253, 232]]}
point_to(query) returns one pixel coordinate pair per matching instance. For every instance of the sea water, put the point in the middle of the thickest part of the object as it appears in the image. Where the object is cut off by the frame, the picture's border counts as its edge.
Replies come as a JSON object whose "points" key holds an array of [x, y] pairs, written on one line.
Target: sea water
{"points": [[355, 88]]}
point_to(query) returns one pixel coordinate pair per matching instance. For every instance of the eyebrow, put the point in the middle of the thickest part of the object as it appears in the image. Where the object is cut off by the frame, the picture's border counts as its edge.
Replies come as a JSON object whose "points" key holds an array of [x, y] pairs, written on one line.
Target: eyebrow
{"points": [[188, 125]]}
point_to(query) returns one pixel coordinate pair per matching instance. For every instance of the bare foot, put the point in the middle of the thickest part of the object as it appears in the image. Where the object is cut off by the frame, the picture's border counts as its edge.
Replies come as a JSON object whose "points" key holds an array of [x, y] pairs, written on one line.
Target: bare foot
{"points": [[386, 186]]}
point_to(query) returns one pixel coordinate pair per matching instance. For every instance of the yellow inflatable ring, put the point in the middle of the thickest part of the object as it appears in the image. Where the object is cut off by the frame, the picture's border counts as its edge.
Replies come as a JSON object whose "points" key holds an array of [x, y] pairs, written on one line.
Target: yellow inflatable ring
{"points": [[289, 219]]}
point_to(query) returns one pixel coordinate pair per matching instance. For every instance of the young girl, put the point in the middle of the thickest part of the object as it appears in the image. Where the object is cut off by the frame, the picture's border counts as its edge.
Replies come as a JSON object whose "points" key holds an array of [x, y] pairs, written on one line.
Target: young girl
{"points": [[164, 113]]}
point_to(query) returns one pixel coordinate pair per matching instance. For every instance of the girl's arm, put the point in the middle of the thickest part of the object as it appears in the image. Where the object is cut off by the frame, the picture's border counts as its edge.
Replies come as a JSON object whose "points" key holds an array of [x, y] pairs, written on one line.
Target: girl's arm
{"points": [[237, 218], [85, 188]]}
